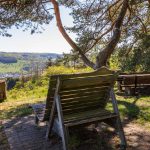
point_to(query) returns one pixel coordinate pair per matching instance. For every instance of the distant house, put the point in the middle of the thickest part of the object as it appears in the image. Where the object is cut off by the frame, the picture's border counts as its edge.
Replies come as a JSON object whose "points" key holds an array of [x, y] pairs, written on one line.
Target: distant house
{"points": [[2, 89]]}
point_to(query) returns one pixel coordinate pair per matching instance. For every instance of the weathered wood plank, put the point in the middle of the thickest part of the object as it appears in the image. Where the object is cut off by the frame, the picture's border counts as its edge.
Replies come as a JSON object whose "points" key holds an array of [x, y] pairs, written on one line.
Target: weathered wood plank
{"points": [[83, 106], [101, 71], [81, 109], [94, 80], [91, 120], [118, 120], [85, 114], [89, 97], [84, 99], [83, 92], [143, 79], [84, 89]]}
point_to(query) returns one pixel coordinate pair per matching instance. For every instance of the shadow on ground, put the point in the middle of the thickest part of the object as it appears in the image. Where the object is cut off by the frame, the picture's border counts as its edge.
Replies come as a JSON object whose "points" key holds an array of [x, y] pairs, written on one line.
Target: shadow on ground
{"points": [[131, 110]]}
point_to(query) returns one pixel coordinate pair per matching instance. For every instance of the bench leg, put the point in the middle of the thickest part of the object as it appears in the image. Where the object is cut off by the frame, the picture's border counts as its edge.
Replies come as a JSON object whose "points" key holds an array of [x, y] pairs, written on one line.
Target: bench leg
{"points": [[49, 129], [119, 128], [116, 123], [64, 136]]}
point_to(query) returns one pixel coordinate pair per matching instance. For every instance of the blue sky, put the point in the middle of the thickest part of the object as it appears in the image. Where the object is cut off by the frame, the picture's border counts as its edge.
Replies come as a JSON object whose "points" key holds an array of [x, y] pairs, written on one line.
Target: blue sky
{"points": [[50, 41]]}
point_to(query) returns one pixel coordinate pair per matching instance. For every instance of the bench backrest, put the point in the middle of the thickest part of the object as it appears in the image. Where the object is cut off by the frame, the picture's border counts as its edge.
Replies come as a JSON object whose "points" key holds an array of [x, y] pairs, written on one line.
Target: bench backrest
{"points": [[88, 91], [84, 91]]}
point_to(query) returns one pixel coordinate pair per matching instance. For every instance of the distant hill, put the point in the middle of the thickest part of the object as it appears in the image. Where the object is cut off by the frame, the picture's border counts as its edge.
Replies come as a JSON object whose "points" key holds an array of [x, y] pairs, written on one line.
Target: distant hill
{"points": [[17, 62], [9, 57]]}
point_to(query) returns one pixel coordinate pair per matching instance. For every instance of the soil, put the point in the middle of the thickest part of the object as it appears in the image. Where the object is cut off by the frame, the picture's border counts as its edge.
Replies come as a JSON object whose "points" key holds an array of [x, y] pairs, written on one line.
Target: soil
{"points": [[138, 138], [104, 138]]}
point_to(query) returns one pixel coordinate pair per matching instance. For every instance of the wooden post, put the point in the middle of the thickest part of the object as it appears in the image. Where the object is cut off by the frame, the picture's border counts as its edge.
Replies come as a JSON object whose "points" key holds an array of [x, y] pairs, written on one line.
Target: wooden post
{"points": [[118, 121], [2, 89]]}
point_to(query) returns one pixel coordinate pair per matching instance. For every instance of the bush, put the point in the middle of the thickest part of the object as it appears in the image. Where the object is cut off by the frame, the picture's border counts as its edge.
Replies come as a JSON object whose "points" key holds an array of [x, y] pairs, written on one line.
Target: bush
{"points": [[64, 70]]}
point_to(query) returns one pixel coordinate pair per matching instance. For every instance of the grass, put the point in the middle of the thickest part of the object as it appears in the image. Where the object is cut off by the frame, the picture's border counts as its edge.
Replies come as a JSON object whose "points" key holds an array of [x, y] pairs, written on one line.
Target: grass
{"points": [[134, 109], [18, 100], [35, 91]]}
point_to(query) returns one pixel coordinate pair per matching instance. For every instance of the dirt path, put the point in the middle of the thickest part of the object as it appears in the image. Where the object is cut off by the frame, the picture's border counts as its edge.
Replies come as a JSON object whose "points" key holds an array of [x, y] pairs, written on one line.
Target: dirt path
{"points": [[138, 138]]}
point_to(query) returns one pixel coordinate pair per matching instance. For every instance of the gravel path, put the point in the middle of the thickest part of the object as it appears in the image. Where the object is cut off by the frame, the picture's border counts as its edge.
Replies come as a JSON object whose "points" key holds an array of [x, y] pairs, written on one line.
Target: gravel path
{"points": [[23, 134]]}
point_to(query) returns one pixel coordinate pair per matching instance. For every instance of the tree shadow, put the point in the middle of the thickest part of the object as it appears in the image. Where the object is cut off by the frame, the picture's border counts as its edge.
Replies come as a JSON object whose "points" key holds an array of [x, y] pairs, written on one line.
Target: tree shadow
{"points": [[131, 110]]}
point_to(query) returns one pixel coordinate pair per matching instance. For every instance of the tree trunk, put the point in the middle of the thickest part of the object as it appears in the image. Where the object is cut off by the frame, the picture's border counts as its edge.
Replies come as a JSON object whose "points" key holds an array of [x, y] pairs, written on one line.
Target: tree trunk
{"points": [[104, 55]]}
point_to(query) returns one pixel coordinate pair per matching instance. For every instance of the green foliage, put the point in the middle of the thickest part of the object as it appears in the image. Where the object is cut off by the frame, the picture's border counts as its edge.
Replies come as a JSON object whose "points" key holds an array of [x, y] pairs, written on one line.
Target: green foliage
{"points": [[137, 60], [114, 62], [64, 70], [24, 14]]}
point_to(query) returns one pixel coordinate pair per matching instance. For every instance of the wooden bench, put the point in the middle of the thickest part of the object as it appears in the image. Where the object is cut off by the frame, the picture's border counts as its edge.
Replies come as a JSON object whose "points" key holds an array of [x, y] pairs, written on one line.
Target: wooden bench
{"points": [[133, 83], [80, 99]]}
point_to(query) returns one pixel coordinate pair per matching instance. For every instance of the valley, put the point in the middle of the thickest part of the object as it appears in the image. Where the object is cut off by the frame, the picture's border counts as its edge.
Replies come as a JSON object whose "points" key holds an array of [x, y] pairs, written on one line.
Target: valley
{"points": [[12, 65]]}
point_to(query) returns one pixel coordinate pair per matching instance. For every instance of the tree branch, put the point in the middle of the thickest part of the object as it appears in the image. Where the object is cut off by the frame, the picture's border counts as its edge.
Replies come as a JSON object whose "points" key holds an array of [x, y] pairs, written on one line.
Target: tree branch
{"points": [[143, 25], [66, 36], [106, 32]]}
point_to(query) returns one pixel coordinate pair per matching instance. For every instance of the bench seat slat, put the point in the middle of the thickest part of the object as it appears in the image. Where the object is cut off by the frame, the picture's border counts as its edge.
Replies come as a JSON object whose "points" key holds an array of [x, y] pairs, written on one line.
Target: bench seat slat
{"points": [[87, 81], [86, 116], [81, 109]]}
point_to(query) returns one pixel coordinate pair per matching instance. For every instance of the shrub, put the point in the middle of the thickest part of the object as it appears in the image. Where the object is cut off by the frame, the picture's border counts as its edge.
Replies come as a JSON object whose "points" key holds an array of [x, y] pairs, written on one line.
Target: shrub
{"points": [[64, 70]]}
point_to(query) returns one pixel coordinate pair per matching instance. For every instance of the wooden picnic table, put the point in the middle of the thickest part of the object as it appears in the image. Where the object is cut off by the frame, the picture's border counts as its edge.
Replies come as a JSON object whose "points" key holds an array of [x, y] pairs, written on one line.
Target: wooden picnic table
{"points": [[130, 83]]}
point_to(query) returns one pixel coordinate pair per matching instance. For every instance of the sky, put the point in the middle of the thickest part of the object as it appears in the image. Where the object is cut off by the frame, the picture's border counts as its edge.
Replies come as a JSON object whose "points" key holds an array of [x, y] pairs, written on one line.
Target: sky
{"points": [[49, 41]]}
